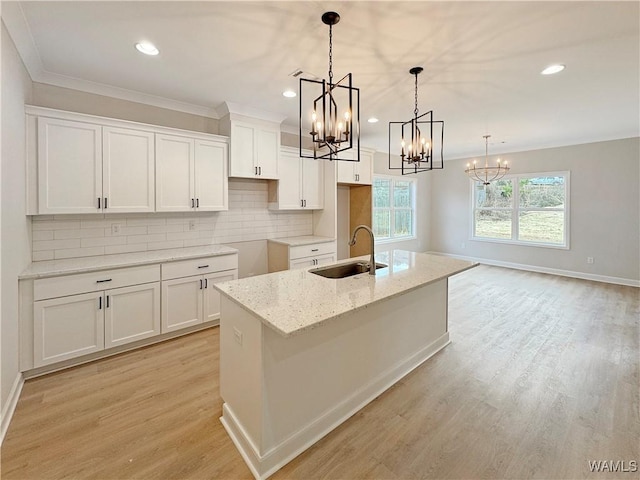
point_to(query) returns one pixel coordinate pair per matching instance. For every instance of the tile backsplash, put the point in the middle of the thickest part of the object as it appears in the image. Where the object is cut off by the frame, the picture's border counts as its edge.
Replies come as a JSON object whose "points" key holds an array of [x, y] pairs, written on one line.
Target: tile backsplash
{"points": [[71, 236]]}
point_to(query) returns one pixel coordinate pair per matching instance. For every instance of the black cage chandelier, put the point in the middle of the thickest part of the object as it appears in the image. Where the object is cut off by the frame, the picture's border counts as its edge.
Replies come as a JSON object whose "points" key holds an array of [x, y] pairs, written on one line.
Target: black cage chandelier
{"points": [[420, 140], [330, 112]]}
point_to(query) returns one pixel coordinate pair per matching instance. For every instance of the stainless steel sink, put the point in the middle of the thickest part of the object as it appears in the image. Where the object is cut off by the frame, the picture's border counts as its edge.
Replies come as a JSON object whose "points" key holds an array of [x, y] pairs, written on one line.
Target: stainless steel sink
{"points": [[345, 269]]}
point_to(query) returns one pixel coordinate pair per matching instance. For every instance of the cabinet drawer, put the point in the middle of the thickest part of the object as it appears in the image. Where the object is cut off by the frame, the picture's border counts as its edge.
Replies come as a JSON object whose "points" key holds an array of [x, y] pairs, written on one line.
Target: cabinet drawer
{"points": [[315, 249], [186, 268], [94, 281]]}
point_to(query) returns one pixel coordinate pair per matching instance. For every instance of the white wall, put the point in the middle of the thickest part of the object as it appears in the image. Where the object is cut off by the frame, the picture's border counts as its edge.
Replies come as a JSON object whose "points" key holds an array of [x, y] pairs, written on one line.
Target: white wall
{"points": [[604, 210], [423, 202], [15, 253]]}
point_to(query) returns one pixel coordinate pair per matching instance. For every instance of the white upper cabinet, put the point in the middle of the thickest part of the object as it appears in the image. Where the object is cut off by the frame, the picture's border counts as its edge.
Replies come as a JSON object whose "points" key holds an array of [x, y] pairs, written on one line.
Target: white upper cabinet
{"points": [[301, 184], [357, 172], [255, 148], [69, 166], [211, 183], [79, 163], [127, 170], [191, 174]]}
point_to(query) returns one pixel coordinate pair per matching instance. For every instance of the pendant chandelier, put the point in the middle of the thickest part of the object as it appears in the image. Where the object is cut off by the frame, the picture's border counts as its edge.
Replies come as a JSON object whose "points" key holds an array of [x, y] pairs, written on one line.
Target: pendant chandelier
{"points": [[330, 112], [486, 174], [420, 140]]}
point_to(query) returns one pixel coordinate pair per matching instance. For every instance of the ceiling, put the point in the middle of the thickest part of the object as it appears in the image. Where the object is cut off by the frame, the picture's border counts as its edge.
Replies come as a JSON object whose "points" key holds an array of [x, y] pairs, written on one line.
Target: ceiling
{"points": [[482, 61]]}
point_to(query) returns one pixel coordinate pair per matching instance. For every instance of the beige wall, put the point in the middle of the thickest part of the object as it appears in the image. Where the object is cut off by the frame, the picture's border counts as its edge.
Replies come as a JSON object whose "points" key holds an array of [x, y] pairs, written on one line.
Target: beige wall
{"points": [[76, 101], [15, 226], [604, 210]]}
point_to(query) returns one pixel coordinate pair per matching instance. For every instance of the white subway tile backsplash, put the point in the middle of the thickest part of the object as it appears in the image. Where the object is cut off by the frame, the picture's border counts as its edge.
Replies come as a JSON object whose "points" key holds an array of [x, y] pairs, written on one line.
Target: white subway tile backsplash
{"points": [[248, 218]]}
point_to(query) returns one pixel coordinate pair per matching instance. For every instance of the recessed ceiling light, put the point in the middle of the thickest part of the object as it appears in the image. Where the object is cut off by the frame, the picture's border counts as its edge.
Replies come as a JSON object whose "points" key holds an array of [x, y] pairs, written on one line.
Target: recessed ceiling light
{"points": [[147, 48], [551, 69], [289, 93], [373, 120]]}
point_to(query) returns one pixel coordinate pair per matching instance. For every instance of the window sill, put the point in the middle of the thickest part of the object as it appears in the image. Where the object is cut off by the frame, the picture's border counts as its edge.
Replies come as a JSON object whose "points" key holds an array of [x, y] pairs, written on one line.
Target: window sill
{"points": [[395, 240], [520, 243]]}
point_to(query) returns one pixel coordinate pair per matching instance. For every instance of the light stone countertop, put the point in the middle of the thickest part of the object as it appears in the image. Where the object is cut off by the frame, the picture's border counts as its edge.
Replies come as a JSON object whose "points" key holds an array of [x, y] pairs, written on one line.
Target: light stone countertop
{"points": [[293, 301], [302, 240], [51, 268]]}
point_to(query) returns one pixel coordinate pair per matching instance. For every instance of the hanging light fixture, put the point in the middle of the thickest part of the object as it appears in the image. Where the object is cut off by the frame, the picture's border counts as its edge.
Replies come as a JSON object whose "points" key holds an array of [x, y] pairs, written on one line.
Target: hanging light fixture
{"points": [[419, 139], [486, 174], [330, 112]]}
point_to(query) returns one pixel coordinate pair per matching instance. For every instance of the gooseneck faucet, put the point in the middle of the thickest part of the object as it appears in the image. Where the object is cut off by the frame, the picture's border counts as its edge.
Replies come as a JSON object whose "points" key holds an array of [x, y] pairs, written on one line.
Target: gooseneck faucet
{"points": [[352, 242]]}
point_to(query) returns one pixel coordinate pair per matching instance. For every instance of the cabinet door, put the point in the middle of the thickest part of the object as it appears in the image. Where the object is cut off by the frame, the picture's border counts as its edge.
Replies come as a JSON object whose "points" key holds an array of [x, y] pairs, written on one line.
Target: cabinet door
{"points": [[289, 192], [131, 313], [69, 166], [67, 327], [313, 183], [302, 263], [267, 151], [326, 259], [363, 169], [243, 154], [212, 296], [211, 175], [174, 173], [181, 303], [346, 169], [128, 170]]}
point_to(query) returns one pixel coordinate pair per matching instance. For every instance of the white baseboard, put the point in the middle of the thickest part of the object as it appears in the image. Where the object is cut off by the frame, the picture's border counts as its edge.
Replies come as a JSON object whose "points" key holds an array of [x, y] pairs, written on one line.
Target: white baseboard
{"points": [[10, 406], [265, 465], [553, 271]]}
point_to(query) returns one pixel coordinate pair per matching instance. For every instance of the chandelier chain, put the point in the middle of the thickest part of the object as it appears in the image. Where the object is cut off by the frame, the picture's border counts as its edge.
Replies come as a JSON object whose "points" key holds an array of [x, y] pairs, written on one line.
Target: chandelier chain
{"points": [[415, 110], [330, 55]]}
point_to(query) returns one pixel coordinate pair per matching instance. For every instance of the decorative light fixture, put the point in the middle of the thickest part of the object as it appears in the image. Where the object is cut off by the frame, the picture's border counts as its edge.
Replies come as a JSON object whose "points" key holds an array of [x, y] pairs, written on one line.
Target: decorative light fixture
{"points": [[419, 139], [331, 118], [486, 174]]}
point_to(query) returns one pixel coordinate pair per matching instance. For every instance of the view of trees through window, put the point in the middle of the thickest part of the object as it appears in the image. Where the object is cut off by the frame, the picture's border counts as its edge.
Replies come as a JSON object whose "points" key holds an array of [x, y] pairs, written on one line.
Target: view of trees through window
{"points": [[522, 208], [393, 211]]}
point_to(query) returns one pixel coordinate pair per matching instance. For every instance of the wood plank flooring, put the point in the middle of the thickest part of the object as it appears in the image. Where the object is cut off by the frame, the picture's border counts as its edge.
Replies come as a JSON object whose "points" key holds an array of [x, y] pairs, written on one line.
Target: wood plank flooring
{"points": [[542, 376]]}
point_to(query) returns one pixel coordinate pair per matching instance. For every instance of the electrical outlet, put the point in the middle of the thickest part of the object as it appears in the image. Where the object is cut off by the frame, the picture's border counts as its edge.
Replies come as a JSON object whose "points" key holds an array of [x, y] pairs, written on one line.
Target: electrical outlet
{"points": [[463, 245], [589, 260], [192, 225], [115, 229], [237, 335]]}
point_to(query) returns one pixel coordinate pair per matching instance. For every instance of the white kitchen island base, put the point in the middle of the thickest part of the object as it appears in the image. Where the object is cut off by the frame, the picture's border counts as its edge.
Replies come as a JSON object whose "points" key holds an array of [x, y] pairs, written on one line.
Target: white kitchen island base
{"points": [[283, 393]]}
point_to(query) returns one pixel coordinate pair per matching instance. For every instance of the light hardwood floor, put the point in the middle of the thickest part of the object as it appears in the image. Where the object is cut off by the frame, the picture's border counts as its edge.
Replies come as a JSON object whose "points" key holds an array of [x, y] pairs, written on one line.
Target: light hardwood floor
{"points": [[542, 375]]}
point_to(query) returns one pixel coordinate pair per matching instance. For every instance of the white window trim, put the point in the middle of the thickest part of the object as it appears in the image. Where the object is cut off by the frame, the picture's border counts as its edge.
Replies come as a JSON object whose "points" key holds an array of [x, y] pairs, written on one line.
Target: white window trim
{"points": [[414, 217], [515, 209]]}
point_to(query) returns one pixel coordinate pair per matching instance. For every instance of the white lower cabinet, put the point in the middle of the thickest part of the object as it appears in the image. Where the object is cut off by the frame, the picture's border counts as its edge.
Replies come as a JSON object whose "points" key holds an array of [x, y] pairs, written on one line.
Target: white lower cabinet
{"points": [[75, 324], [67, 327], [312, 261], [286, 257], [191, 300]]}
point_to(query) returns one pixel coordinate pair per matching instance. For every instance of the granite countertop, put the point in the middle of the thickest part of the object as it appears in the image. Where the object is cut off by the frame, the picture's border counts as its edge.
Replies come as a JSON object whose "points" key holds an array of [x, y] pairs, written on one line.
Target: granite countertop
{"points": [[293, 301], [303, 240], [51, 268]]}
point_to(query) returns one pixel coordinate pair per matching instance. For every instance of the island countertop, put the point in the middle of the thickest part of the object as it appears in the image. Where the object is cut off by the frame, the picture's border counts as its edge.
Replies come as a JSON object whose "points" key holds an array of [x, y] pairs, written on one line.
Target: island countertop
{"points": [[293, 301]]}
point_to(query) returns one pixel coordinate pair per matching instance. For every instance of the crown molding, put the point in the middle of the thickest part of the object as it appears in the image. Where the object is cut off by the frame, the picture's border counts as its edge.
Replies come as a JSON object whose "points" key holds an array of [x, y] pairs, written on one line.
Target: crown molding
{"points": [[231, 108]]}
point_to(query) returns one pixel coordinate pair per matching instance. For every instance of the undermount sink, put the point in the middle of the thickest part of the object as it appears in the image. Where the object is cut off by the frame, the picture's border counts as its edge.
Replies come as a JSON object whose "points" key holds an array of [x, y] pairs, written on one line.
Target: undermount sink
{"points": [[345, 270]]}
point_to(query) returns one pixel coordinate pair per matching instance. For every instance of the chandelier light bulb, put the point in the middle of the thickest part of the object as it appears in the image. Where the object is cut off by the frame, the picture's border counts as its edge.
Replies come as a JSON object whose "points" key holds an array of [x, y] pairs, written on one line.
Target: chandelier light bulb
{"points": [[346, 115], [314, 117]]}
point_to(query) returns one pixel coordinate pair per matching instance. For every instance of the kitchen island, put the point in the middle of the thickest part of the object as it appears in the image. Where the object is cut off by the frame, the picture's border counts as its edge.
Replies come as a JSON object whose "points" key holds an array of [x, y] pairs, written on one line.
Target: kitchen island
{"points": [[300, 353]]}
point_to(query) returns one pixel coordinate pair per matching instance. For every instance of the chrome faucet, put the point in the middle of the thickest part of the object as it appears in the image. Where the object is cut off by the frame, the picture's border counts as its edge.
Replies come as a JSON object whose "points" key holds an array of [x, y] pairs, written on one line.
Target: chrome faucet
{"points": [[372, 262]]}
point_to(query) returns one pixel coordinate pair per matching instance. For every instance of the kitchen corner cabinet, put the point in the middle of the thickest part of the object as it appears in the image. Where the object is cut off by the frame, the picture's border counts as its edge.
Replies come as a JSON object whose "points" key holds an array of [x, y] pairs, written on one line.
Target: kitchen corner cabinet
{"points": [[110, 169], [80, 314], [191, 174], [188, 296], [301, 183], [254, 149], [360, 173]]}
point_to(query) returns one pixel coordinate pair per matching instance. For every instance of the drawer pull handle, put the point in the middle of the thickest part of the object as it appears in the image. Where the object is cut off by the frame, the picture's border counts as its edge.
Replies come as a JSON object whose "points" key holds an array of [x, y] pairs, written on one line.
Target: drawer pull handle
{"points": [[103, 281], [315, 249], [203, 266]]}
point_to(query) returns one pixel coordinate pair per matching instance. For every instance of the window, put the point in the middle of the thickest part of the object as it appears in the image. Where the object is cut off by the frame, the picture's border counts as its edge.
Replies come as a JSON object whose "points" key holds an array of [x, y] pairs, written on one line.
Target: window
{"points": [[527, 209], [393, 208]]}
